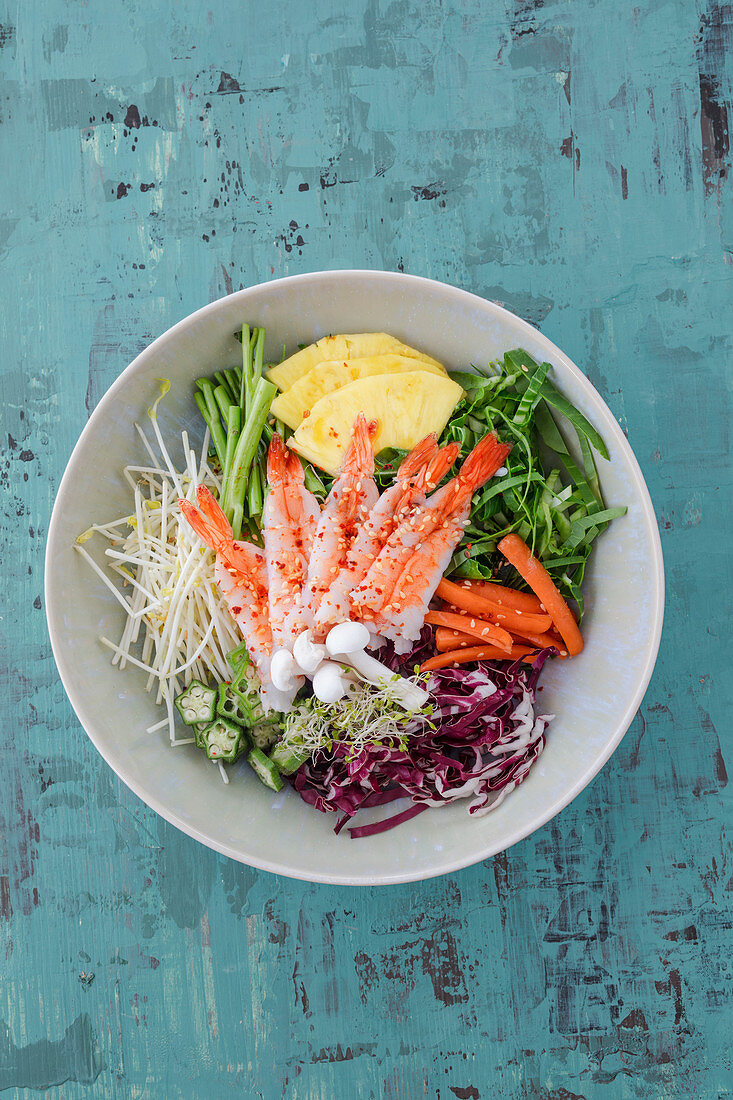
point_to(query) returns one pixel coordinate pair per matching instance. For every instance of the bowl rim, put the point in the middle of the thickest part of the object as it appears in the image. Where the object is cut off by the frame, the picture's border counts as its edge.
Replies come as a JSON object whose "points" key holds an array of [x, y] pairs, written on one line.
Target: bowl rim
{"points": [[53, 617]]}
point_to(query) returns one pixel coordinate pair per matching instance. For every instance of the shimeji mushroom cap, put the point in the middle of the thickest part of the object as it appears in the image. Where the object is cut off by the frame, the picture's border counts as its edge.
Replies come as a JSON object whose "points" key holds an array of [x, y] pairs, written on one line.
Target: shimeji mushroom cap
{"points": [[347, 637]]}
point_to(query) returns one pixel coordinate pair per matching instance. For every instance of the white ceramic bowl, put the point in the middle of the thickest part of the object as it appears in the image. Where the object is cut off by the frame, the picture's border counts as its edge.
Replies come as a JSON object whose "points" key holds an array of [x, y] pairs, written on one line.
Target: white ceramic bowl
{"points": [[594, 697]]}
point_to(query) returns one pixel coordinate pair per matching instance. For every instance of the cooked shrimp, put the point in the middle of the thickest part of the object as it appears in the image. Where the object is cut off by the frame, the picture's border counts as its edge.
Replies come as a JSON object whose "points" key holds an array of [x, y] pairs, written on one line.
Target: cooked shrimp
{"points": [[400, 584], [423, 469], [241, 576], [347, 506], [289, 519]]}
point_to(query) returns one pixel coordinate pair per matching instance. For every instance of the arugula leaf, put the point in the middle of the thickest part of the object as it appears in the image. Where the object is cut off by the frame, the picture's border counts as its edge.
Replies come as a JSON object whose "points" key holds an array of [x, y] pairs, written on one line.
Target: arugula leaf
{"points": [[531, 396], [589, 465], [554, 439], [583, 426]]}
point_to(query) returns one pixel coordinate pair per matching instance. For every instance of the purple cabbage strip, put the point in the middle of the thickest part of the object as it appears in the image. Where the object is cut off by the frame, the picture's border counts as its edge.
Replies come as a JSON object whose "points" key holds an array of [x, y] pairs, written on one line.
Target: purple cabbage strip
{"points": [[482, 740], [388, 823]]}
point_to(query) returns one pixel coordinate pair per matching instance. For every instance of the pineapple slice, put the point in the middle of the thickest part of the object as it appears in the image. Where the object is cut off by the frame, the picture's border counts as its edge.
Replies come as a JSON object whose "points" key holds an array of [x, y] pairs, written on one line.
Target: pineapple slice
{"points": [[292, 405], [356, 346], [407, 407]]}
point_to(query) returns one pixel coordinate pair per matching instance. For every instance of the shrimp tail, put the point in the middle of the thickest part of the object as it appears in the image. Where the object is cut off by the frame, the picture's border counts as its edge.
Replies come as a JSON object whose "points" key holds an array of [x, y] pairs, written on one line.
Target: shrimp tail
{"points": [[427, 465], [208, 520], [484, 460], [439, 465], [276, 459], [419, 456], [294, 468], [211, 509], [482, 463], [359, 460], [213, 528], [283, 464], [205, 530]]}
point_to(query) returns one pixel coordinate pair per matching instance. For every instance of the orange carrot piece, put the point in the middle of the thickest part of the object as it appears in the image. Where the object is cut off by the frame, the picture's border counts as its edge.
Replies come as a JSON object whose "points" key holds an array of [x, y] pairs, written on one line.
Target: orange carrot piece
{"points": [[541, 640], [479, 606], [516, 551], [507, 597], [488, 633], [510, 620], [446, 639], [475, 653]]}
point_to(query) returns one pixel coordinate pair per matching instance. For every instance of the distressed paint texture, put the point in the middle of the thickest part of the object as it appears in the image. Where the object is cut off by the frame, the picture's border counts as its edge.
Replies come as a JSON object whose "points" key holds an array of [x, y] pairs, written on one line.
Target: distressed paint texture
{"points": [[569, 159]]}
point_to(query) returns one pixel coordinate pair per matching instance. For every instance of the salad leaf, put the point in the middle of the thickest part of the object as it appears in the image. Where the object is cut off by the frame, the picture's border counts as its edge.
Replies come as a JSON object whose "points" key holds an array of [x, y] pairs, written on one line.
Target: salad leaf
{"points": [[531, 396], [527, 365], [548, 497]]}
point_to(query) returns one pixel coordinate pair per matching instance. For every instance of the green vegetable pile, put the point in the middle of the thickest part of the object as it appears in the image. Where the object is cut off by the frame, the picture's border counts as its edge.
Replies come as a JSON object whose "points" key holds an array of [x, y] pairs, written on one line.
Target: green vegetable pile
{"points": [[235, 404], [228, 720], [368, 715], [548, 498]]}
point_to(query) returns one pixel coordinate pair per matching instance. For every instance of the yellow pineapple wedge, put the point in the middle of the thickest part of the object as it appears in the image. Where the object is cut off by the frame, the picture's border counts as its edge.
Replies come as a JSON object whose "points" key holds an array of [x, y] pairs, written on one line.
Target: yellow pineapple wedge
{"points": [[292, 405], [355, 346], [407, 407]]}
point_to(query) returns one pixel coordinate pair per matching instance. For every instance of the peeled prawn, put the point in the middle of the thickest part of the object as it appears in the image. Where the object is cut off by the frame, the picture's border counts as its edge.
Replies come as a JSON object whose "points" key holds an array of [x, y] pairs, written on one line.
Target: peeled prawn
{"points": [[352, 497], [399, 585], [289, 523], [422, 469], [241, 576]]}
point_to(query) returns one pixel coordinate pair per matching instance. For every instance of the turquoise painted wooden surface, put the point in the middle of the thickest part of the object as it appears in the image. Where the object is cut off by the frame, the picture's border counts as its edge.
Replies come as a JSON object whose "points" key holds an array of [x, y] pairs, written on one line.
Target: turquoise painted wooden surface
{"points": [[570, 160]]}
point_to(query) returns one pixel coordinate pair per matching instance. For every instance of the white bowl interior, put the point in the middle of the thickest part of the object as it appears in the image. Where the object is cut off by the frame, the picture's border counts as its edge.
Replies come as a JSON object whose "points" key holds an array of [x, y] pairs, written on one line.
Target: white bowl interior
{"points": [[594, 697]]}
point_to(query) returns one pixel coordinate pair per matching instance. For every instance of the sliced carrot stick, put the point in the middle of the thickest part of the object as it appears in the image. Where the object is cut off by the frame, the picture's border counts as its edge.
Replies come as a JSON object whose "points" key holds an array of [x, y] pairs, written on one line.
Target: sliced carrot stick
{"points": [[475, 653], [541, 640], [507, 597], [488, 633], [539, 580], [510, 620], [446, 640], [482, 608]]}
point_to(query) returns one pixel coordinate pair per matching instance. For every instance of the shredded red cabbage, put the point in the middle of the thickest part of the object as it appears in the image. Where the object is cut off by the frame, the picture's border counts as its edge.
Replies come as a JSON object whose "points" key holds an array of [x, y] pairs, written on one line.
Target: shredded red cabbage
{"points": [[482, 740]]}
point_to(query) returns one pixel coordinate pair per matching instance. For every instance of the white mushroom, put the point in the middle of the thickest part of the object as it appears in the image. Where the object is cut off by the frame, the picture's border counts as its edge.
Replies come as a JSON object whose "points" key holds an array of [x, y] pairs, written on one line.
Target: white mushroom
{"points": [[348, 640], [308, 654], [347, 637], [329, 682], [284, 671]]}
